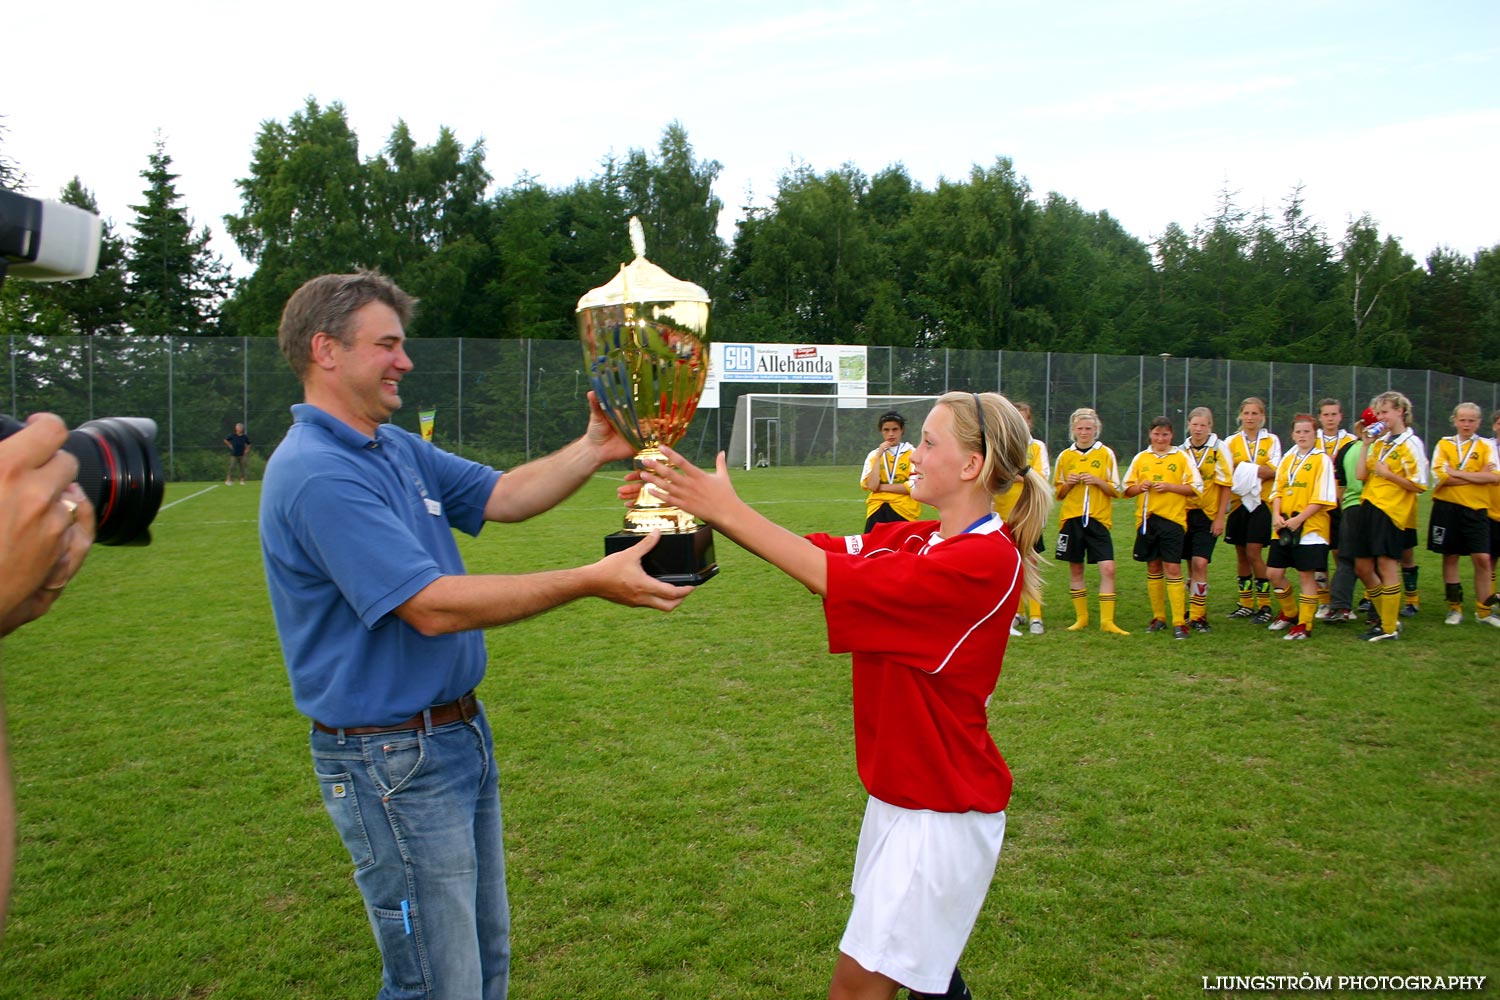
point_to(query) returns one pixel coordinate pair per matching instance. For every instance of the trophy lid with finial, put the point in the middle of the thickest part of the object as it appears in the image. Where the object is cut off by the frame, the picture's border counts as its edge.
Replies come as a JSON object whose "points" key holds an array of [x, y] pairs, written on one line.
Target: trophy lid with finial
{"points": [[641, 281]]}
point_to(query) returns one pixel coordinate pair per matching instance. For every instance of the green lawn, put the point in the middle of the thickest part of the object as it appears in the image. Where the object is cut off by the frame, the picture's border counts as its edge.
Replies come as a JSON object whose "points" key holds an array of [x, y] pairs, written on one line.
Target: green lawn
{"points": [[680, 798]]}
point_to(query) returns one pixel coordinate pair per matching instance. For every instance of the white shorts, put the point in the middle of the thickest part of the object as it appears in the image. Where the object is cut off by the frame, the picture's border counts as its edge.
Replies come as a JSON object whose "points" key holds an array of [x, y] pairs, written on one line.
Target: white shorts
{"points": [[920, 878]]}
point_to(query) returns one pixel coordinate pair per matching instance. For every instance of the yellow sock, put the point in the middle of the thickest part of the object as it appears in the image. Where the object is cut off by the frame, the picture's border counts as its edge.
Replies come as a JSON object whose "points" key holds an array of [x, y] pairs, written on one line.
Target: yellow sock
{"points": [[1035, 609], [1156, 589], [1197, 601], [1107, 615], [1390, 608], [1287, 599], [1177, 598], [1307, 610], [1080, 609]]}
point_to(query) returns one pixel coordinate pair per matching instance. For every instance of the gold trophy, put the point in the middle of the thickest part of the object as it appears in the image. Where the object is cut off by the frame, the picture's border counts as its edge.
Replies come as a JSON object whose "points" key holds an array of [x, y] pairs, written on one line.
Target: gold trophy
{"points": [[645, 342]]}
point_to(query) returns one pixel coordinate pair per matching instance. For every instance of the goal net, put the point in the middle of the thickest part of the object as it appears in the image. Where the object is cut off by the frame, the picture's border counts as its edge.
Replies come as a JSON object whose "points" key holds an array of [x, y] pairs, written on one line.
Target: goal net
{"points": [[773, 429]]}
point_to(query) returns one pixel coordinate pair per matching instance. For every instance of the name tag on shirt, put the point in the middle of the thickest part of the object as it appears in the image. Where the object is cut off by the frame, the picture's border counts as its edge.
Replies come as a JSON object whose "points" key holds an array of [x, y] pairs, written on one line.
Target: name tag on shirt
{"points": [[434, 507]]}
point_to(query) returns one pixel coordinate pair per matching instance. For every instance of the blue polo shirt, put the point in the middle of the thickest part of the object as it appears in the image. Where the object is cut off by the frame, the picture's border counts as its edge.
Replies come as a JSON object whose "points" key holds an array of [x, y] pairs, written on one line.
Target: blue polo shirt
{"points": [[352, 527]]}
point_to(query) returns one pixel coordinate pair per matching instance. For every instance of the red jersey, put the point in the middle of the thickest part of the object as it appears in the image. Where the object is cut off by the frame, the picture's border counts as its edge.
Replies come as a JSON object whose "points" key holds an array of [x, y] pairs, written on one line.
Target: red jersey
{"points": [[921, 733]]}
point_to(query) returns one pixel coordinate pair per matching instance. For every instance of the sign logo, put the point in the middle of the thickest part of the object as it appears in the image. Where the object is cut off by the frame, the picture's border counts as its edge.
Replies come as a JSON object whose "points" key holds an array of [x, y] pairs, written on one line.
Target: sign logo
{"points": [[739, 358]]}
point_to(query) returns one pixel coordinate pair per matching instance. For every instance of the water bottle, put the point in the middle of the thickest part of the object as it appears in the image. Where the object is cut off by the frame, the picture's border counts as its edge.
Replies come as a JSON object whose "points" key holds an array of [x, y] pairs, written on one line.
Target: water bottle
{"points": [[1372, 426]]}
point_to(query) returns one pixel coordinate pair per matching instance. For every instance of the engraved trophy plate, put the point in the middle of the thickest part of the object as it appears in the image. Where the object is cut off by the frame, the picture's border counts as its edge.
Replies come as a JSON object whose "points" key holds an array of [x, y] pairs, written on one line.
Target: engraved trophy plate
{"points": [[645, 343]]}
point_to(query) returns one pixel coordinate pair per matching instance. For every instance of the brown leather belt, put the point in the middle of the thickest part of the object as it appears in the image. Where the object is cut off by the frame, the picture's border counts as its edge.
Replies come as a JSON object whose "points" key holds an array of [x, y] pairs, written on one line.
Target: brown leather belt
{"points": [[464, 708]]}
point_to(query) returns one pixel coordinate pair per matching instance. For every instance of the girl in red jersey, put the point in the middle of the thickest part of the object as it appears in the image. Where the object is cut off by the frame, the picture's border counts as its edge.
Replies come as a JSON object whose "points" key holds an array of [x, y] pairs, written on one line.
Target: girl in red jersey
{"points": [[938, 786]]}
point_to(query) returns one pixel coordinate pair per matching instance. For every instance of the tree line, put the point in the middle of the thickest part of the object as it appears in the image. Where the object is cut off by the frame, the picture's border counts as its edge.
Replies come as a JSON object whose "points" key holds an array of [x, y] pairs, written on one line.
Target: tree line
{"points": [[980, 262]]}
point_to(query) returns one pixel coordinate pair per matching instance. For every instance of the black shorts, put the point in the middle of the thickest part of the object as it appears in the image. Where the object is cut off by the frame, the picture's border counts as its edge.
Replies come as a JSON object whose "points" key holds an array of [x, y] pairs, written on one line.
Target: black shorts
{"points": [[1246, 527], [884, 514], [1351, 523], [1311, 558], [1456, 530], [1378, 535], [1494, 537], [1200, 540], [1408, 538], [1335, 527], [1161, 541], [1075, 541]]}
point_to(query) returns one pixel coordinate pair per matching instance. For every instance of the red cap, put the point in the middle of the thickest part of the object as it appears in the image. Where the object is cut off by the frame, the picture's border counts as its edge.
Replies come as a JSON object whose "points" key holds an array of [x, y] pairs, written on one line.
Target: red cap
{"points": [[1367, 417]]}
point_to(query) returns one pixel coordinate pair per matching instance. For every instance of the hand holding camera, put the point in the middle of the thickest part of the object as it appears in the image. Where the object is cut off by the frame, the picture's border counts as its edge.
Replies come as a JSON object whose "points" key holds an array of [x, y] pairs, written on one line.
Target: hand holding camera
{"points": [[46, 522]]}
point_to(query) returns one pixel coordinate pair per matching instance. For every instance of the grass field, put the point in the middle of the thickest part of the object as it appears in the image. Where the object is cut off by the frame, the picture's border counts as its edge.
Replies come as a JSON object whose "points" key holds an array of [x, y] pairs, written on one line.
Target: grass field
{"points": [[680, 798]]}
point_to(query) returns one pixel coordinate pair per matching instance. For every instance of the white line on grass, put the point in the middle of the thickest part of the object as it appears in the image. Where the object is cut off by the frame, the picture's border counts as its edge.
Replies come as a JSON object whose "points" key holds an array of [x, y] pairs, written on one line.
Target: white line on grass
{"points": [[174, 503]]}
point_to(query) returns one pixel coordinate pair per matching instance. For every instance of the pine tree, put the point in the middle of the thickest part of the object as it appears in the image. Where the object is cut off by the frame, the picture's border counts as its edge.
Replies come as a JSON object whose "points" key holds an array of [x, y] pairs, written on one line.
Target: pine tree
{"points": [[177, 284]]}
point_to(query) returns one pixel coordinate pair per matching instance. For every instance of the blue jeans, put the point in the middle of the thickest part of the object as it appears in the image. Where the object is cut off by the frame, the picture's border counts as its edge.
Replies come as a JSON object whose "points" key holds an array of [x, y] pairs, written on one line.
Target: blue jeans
{"points": [[420, 815]]}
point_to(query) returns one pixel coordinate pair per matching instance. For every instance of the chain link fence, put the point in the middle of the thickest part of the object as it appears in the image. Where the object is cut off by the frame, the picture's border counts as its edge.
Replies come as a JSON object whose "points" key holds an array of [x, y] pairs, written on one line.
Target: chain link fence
{"points": [[506, 401]]}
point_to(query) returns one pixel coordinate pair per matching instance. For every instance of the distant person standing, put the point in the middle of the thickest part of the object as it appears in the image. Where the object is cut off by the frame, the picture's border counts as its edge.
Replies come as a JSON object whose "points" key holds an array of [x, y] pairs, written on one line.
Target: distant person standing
{"points": [[886, 476], [238, 444]]}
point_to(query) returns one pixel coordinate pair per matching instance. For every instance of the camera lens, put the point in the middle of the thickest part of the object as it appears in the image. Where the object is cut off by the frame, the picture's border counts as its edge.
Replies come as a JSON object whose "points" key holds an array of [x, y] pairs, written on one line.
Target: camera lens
{"points": [[119, 471]]}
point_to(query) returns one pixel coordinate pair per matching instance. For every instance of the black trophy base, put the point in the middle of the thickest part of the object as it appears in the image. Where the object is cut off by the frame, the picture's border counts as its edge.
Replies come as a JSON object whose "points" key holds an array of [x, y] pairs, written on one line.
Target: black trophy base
{"points": [[684, 560]]}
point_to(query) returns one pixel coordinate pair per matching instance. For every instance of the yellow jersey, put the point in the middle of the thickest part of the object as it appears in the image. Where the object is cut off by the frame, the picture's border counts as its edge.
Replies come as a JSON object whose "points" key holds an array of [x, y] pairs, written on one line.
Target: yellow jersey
{"points": [[1173, 466], [1213, 464], [1087, 501], [1474, 455], [1264, 449], [1404, 456], [1304, 481], [894, 468], [1330, 445]]}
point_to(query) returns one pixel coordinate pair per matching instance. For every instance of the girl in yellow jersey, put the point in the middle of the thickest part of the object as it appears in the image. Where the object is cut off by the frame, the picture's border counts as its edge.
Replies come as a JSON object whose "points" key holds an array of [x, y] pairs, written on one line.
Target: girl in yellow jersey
{"points": [[1038, 459], [1165, 480], [1087, 479], [1394, 472], [1206, 512], [1255, 453], [1464, 471], [886, 476], [1301, 500]]}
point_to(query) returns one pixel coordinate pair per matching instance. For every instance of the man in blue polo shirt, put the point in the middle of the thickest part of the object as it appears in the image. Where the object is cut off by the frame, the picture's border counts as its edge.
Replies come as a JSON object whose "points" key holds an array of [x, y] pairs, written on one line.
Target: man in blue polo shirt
{"points": [[380, 629]]}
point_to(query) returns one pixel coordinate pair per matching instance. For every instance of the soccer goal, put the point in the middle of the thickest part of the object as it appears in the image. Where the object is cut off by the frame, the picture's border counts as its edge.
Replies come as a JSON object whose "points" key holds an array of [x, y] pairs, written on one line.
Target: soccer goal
{"points": [[774, 429]]}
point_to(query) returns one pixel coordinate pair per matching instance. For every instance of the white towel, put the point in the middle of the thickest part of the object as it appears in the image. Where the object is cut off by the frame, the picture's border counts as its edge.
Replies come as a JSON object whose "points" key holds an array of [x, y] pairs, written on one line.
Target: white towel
{"points": [[1246, 485]]}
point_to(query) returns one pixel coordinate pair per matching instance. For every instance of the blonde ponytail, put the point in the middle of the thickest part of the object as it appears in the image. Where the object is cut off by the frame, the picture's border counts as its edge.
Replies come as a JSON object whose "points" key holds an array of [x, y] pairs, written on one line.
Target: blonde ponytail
{"points": [[1006, 446]]}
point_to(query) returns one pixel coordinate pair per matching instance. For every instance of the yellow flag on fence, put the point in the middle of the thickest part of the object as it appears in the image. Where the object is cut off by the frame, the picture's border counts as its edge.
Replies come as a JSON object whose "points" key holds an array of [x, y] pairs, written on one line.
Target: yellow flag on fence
{"points": [[427, 418]]}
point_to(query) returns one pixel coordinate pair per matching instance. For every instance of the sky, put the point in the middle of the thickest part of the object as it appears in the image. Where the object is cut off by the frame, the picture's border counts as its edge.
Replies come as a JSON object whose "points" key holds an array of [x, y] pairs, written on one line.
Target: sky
{"points": [[1151, 111]]}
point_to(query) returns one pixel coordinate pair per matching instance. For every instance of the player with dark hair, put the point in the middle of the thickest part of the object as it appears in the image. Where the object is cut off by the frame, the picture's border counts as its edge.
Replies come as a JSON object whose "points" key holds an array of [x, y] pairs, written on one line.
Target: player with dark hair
{"points": [[886, 475]]}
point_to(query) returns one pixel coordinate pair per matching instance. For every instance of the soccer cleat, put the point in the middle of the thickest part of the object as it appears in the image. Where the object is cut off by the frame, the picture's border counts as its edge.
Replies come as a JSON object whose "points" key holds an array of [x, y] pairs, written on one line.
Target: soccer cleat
{"points": [[1037, 628], [1365, 606], [1179, 631], [1454, 618], [1156, 625], [1201, 625], [1298, 631], [228, 483], [1407, 610], [1377, 634], [1014, 630], [1493, 618], [1323, 612], [1281, 623], [1263, 616], [1241, 612], [1339, 616]]}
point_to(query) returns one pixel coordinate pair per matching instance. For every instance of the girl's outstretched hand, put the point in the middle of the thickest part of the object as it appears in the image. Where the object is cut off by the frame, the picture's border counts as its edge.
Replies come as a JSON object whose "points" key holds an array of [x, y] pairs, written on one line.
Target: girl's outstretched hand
{"points": [[707, 495]]}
